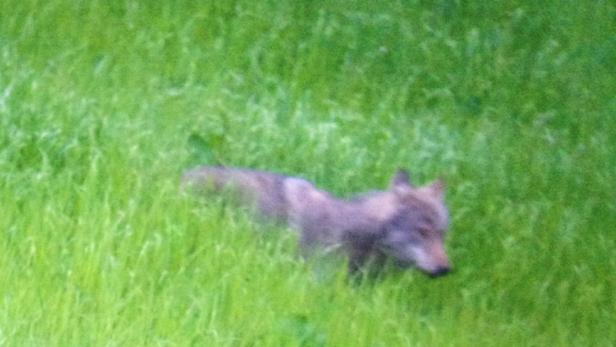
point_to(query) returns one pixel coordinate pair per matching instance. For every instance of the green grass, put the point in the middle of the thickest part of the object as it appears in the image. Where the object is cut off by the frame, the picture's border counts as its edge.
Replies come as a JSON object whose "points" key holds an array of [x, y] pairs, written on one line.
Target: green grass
{"points": [[104, 103]]}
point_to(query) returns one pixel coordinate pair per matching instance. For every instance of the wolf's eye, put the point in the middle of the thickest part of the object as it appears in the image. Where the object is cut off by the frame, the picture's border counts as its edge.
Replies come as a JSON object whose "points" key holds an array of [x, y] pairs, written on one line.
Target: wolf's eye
{"points": [[424, 231]]}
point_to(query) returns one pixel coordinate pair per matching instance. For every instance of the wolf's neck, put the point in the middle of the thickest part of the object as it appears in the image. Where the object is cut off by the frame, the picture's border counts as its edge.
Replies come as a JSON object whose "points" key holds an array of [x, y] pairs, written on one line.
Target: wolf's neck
{"points": [[366, 213], [380, 206]]}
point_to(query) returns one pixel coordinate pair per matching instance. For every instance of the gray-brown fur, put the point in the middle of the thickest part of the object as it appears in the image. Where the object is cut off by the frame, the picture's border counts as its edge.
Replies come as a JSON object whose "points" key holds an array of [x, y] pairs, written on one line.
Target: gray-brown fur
{"points": [[404, 223]]}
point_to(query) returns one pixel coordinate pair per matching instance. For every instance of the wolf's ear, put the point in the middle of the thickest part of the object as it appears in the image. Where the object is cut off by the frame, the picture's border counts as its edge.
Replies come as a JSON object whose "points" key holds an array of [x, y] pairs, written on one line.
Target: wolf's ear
{"points": [[401, 182], [401, 177], [437, 188]]}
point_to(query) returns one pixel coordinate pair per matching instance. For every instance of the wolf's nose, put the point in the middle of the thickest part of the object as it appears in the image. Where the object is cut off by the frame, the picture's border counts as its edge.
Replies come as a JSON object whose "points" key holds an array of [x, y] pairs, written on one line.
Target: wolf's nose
{"points": [[443, 270]]}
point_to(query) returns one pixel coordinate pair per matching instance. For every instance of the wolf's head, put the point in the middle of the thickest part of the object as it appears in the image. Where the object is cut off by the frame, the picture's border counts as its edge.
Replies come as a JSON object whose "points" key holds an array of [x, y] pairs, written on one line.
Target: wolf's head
{"points": [[415, 233]]}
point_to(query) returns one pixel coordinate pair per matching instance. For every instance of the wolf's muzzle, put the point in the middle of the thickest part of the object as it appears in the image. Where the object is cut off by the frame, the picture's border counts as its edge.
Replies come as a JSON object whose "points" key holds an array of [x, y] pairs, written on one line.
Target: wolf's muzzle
{"points": [[441, 271]]}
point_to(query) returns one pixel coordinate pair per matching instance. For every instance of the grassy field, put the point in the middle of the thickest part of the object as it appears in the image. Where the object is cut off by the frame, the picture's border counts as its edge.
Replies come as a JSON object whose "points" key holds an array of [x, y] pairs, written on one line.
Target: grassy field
{"points": [[103, 104]]}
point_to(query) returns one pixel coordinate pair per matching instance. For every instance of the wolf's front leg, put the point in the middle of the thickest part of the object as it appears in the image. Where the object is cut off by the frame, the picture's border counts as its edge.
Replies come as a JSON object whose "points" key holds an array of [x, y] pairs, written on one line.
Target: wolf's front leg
{"points": [[366, 261]]}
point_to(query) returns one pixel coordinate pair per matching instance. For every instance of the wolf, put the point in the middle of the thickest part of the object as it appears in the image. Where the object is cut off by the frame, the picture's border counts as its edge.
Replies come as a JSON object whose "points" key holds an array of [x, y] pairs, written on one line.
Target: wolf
{"points": [[406, 224]]}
